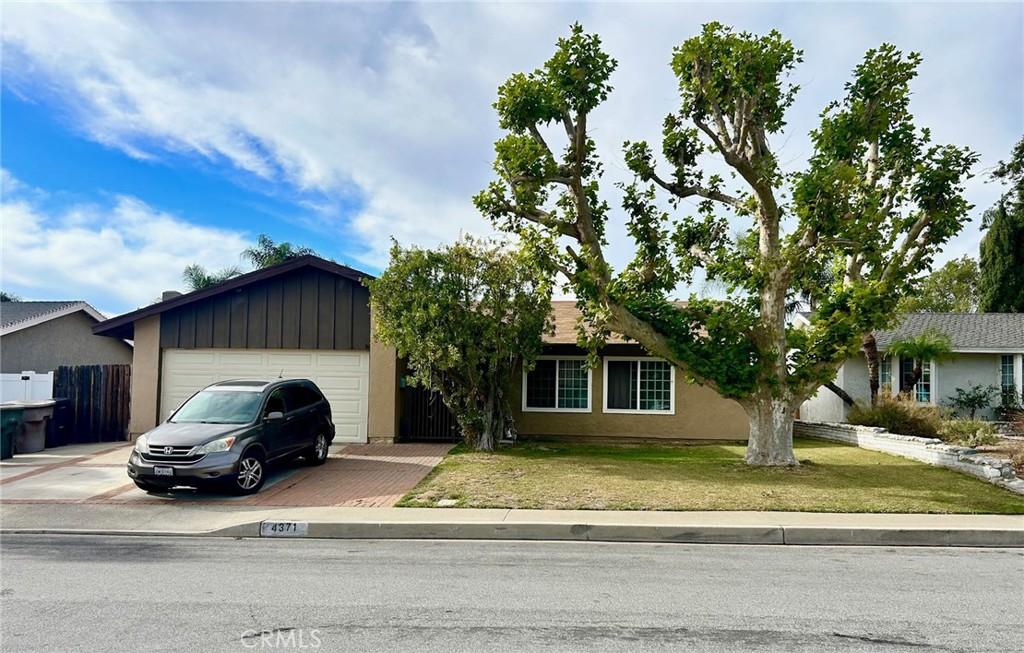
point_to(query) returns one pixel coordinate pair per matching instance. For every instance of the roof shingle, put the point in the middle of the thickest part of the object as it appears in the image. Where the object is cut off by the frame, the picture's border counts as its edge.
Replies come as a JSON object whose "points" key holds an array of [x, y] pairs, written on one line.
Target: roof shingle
{"points": [[12, 313], [966, 331]]}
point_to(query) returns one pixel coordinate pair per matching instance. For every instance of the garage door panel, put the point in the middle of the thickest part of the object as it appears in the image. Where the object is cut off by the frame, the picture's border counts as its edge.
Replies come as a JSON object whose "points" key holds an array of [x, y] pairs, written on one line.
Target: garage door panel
{"points": [[195, 357], [343, 377], [296, 360], [241, 359], [353, 364]]}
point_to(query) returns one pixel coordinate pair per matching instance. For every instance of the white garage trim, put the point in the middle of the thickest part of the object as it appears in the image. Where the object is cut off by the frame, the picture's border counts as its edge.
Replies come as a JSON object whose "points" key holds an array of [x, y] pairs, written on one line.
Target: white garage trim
{"points": [[343, 376]]}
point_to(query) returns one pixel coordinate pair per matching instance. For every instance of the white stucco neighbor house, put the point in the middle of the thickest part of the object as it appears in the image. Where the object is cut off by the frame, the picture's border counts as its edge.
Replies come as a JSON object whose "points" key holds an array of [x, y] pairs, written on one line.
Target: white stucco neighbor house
{"points": [[988, 350]]}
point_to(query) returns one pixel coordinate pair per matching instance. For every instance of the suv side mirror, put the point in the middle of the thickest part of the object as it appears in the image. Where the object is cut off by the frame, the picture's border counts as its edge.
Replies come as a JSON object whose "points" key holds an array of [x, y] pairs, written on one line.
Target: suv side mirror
{"points": [[274, 415]]}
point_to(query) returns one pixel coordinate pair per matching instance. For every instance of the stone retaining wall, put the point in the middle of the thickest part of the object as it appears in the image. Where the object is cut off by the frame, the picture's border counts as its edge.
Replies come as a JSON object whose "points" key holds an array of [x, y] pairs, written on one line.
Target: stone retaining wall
{"points": [[998, 471]]}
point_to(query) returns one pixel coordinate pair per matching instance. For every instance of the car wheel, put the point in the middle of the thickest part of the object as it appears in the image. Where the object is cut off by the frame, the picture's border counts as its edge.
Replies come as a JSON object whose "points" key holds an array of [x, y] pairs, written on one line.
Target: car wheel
{"points": [[252, 472], [317, 454], [150, 487]]}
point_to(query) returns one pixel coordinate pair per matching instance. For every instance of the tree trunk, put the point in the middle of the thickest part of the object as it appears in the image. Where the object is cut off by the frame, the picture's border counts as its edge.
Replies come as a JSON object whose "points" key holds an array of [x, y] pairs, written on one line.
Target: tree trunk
{"points": [[870, 347], [842, 394], [915, 376], [486, 440], [771, 432]]}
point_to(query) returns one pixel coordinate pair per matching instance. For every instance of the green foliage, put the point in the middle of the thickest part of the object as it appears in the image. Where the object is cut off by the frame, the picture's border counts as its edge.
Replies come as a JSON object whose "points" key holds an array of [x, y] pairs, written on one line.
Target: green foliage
{"points": [[899, 415], [874, 205], [968, 432], [8, 297], [465, 317], [929, 346], [196, 277], [976, 397], [1001, 284], [953, 288], [266, 252]]}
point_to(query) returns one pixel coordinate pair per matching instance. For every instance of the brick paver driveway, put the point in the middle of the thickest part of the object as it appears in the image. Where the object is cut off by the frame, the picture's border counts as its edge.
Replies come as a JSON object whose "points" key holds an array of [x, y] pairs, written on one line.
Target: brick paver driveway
{"points": [[370, 475]]}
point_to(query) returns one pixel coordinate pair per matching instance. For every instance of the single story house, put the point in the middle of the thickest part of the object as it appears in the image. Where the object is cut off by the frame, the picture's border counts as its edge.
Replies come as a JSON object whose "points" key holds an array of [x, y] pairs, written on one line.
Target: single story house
{"points": [[42, 336], [988, 349], [628, 394], [310, 318]]}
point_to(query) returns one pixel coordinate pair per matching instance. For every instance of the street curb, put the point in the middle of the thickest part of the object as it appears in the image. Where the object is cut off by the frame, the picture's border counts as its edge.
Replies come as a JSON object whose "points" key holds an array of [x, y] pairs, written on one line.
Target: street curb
{"points": [[565, 532]]}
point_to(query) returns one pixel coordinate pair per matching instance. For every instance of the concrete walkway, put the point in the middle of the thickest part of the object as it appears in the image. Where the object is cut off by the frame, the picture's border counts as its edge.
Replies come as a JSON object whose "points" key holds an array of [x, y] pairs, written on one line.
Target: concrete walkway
{"points": [[499, 524]]}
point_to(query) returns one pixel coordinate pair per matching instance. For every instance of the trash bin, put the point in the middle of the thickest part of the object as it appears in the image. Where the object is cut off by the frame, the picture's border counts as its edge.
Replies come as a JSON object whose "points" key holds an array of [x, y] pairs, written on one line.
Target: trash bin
{"points": [[35, 415], [58, 429], [10, 426]]}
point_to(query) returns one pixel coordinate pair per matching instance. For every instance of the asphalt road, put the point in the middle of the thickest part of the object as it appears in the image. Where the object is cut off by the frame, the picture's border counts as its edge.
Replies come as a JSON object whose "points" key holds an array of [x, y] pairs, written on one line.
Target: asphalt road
{"points": [[70, 593]]}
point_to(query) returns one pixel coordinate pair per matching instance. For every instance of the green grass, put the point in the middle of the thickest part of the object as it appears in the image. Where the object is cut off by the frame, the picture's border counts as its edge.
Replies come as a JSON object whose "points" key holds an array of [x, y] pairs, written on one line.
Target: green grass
{"points": [[831, 478]]}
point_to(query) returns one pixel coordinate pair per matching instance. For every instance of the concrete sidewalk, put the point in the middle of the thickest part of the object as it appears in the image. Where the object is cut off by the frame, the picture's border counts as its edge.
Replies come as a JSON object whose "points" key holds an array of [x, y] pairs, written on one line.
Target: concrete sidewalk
{"points": [[501, 524]]}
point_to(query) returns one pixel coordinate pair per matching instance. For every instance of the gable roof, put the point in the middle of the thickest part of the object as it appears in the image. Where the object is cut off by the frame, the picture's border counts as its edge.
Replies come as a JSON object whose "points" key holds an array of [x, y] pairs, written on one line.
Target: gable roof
{"points": [[123, 326], [565, 316], [968, 332], [16, 316]]}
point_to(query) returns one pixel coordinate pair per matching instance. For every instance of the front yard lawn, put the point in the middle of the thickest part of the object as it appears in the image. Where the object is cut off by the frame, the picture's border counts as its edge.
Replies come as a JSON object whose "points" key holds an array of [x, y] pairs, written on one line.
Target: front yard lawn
{"points": [[832, 478]]}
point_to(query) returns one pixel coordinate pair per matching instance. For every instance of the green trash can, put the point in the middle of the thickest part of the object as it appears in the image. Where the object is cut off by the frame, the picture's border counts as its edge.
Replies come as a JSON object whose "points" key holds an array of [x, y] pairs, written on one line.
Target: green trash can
{"points": [[10, 426]]}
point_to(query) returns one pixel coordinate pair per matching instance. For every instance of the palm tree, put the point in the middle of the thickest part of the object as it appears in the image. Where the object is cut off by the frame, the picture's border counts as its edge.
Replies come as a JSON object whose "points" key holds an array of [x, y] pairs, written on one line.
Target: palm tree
{"points": [[267, 252], [196, 277], [929, 346]]}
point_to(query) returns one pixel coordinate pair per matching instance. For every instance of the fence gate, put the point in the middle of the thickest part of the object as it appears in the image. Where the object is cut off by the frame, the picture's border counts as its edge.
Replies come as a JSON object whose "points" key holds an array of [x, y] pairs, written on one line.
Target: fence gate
{"points": [[425, 418], [99, 396]]}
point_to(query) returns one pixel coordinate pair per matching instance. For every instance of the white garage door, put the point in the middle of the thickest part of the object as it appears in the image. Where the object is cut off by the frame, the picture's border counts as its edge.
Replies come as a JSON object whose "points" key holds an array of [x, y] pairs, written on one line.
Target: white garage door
{"points": [[343, 376]]}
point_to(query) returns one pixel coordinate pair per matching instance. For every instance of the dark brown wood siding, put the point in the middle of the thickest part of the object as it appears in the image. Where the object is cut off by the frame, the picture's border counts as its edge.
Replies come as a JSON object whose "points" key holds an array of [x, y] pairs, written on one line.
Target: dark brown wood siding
{"points": [[306, 309]]}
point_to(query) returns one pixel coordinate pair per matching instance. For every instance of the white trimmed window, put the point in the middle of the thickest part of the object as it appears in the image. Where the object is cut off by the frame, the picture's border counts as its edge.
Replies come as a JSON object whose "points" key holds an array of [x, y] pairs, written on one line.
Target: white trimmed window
{"points": [[885, 375], [639, 385], [558, 385], [1007, 382]]}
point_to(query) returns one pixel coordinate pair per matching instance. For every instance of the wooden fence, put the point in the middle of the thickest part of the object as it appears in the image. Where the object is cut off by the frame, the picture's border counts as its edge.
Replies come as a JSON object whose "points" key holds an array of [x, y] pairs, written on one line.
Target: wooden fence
{"points": [[100, 396]]}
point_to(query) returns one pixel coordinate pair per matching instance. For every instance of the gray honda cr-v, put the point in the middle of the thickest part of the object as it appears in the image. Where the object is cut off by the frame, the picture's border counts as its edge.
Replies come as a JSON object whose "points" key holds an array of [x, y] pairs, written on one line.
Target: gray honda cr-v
{"points": [[226, 435]]}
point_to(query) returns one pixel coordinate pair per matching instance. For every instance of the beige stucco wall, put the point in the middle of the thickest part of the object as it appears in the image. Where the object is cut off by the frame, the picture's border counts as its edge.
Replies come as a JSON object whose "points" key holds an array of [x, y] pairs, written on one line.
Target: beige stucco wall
{"points": [[382, 422], [145, 376], [700, 414]]}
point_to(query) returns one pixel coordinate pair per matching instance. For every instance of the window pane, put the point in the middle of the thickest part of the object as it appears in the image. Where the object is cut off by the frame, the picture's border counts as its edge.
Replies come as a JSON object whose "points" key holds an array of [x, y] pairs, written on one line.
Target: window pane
{"points": [[621, 385], [885, 375], [1007, 382], [906, 374], [572, 384], [924, 384], [540, 385], [655, 385]]}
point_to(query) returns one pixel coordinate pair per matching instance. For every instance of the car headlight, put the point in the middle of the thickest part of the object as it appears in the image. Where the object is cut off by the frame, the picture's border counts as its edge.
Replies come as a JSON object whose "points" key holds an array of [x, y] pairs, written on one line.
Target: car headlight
{"points": [[141, 444], [217, 445]]}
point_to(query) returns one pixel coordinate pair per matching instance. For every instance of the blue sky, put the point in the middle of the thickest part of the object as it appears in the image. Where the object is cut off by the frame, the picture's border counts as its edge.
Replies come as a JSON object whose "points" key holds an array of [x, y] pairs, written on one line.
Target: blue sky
{"points": [[137, 138]]}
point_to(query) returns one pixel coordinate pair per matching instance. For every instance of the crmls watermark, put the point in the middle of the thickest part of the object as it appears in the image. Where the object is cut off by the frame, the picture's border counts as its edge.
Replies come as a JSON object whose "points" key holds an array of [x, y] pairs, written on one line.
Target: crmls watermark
{"points": [[282, 638]]}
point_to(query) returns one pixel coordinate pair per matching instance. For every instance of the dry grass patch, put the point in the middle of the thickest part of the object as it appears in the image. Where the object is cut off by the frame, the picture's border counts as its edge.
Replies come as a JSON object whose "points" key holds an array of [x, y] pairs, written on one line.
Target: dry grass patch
{"points": [[832, 478]]}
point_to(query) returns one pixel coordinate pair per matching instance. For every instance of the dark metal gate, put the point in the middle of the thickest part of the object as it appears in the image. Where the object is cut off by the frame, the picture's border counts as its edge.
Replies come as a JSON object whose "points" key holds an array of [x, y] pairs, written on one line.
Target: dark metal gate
{"points": [[425, 418]]}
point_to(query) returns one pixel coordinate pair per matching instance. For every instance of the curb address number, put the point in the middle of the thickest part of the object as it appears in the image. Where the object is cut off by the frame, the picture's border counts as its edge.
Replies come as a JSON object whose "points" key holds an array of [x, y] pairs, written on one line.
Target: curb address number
{"points": [[284, 529]]}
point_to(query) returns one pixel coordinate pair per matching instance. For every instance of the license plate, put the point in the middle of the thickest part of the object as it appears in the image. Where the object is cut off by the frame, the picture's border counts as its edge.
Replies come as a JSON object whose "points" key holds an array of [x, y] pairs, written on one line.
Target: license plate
{"points": [[163, 471]]}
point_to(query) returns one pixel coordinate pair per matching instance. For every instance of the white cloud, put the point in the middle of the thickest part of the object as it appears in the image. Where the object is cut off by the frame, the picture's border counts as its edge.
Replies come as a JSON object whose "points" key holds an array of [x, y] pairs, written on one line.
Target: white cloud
{"points": [[391, 103], [117, 257]]}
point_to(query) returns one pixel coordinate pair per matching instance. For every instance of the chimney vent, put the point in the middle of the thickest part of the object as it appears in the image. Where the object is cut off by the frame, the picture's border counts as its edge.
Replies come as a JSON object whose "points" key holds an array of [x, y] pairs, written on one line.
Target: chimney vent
{"points": [[169, 294]]}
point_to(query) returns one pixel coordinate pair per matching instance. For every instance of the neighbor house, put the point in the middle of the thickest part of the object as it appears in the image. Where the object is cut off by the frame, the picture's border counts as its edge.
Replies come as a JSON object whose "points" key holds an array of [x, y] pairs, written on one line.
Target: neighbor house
{"points": [[987, 350], [311, 318], [41, 336]]}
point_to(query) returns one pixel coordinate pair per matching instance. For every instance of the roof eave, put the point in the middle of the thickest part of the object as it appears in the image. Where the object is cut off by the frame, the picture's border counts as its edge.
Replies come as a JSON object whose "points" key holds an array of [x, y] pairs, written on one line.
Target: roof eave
{"points": [[118, 326]]}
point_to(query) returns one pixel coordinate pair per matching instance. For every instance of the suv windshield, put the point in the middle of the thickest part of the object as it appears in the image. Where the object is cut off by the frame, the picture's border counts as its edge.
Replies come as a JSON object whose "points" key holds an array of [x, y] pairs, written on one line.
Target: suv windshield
{"points": [[220, 407]]}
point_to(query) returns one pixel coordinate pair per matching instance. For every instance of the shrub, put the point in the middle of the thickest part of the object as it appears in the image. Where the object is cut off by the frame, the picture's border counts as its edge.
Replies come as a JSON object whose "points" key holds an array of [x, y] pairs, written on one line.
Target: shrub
{"points": [[899, 415], [974, 398], [968, 432]]}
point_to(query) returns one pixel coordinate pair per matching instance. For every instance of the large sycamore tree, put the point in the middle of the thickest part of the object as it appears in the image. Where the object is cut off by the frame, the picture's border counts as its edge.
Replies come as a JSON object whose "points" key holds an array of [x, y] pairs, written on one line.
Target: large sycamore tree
{"points": [[874, 203]]}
